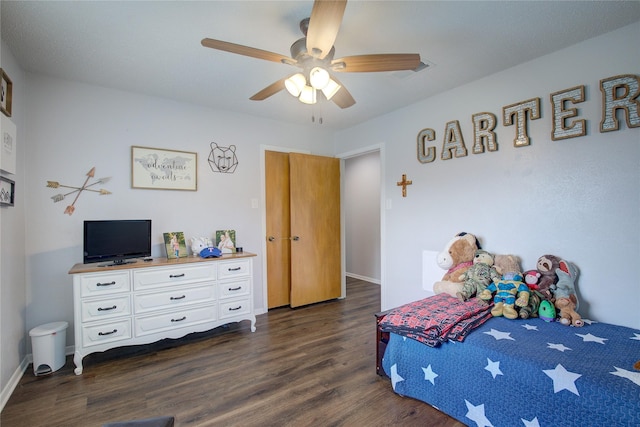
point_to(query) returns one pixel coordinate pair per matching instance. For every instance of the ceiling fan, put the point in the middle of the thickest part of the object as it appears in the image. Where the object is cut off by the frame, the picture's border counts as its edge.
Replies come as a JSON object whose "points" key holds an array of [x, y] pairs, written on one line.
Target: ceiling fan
{"points": [[314, 55]]}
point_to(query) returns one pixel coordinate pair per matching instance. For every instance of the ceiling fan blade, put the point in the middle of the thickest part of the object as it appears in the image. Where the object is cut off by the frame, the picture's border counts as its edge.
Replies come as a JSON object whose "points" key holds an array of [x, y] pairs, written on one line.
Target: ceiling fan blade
{"points": [[376, 62], [272, 89], [324, 23], [246, 51], [342, 98]]}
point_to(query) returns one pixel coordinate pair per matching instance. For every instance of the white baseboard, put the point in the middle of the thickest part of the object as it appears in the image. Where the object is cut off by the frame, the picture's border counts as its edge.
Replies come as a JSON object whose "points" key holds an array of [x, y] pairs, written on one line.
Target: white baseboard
{"points": [[14, 381], [19, 372], [365, 278]]}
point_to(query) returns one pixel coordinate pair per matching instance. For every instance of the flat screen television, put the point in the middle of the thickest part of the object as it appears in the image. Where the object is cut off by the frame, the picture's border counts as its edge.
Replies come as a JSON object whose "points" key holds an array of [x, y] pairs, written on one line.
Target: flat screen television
{"points": [[116, 241]]}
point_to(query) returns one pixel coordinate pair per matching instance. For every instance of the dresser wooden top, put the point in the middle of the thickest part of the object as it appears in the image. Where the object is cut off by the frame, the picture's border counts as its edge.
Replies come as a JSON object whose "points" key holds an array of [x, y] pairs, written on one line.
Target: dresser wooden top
{"points": [[155, 262]]}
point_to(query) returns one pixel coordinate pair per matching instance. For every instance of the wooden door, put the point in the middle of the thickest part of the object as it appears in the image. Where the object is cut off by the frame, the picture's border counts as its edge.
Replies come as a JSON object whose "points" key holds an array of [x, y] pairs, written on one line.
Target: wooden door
{"points": [[278, 228], [303, 229], [315, 228]]}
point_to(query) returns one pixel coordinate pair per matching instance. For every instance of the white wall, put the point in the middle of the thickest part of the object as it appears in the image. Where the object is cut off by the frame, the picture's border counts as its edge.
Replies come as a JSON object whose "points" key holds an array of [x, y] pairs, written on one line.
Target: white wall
{"points": [[74, 127], [13, 332], [362, 216], [576, 198]]}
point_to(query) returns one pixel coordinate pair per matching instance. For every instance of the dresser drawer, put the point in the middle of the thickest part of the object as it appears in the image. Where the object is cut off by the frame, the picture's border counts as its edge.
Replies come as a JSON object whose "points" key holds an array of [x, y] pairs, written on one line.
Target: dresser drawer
{"points": [[106, 332], [177, 297], [229, 269], [104, 283], [106, 308], [235, 308], [178, 319], [171, 276], [234, 288]]}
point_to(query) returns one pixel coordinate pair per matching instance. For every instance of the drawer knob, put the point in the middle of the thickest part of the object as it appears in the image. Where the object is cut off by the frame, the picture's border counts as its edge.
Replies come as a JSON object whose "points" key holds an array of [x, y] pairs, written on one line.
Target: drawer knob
{"points": [[107, 308], [235, 289], [106, 284], [235, 308], [180, 319], [177, 298], [235, 269], [174, 276], [107, 333]]}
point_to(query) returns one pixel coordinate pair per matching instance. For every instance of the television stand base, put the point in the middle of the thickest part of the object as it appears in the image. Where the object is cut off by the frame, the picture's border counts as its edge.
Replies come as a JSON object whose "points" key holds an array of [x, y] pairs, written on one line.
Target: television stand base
{"points": [[115, 264]]}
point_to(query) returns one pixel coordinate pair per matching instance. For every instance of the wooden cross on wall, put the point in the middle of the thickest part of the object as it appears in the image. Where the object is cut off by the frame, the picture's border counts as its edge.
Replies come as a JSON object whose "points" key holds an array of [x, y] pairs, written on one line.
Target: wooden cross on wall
{"points": [[404, 184]]}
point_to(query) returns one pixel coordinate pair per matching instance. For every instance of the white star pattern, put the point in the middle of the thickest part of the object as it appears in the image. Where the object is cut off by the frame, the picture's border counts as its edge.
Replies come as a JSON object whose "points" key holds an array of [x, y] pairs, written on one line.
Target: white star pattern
{"points": [[563, 379], [476, 414], [395, 378], [533, 423], [493, 367], [584, 365], [632, 376], [592, 338], [559, 347], [500, 335], [429, 375]]}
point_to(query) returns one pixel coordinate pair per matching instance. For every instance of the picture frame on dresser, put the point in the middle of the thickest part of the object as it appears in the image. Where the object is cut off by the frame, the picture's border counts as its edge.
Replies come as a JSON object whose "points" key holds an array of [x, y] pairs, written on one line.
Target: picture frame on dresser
{"points": [[7, 191], [6, 93], [175, 244]]}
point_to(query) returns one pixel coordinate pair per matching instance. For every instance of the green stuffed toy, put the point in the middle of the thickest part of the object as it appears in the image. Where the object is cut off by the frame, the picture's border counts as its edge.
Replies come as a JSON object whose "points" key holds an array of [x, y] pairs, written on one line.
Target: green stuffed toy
{"points": [[478, 276]]}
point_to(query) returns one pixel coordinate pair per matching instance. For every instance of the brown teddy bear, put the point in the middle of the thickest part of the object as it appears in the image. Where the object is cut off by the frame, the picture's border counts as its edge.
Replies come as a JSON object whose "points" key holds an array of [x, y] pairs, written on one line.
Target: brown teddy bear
{"points": [[477, 278], [456, 258]]}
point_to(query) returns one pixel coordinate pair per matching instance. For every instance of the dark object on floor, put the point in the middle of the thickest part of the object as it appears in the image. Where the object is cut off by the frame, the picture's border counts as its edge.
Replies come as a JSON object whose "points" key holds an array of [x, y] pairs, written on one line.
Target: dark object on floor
{"points": [[149, 422]]}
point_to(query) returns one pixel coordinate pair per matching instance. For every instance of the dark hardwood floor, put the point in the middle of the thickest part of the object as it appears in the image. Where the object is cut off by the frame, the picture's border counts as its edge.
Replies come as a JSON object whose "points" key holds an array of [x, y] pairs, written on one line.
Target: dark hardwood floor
{"points": [[311, 366]]}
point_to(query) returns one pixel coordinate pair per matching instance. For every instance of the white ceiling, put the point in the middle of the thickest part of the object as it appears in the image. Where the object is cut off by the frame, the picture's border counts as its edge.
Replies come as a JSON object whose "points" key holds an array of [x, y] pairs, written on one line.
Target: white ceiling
{"points": [[153, 47]]}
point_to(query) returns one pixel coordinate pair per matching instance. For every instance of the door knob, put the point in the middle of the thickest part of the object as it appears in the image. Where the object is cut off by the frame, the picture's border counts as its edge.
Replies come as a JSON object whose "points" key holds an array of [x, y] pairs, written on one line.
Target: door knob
{"points": [[271, 238], [295, 238]]}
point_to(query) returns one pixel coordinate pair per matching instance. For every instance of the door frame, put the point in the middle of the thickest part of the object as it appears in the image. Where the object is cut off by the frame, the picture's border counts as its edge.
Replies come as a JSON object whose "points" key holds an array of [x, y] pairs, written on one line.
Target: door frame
{"points": [[383, 203]]}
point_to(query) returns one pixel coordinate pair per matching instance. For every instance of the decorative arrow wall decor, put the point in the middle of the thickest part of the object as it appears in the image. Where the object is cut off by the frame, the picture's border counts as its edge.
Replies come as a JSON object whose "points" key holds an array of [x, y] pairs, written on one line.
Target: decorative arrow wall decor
{"points": [[78, 190]]}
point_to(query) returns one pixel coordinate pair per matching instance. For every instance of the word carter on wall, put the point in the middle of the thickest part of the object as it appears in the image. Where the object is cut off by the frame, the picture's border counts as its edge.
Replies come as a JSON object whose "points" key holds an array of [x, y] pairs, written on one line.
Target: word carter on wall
{"points": [[619, 93]]}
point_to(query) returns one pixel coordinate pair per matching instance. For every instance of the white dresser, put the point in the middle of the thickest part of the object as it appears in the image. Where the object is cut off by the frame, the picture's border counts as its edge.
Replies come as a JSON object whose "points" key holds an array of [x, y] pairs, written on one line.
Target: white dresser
{"points": [[145, 302]]}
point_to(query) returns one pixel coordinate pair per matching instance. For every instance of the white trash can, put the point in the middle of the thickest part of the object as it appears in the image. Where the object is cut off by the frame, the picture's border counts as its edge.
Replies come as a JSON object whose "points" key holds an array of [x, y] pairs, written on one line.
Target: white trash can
{"points": [[48, 343]]}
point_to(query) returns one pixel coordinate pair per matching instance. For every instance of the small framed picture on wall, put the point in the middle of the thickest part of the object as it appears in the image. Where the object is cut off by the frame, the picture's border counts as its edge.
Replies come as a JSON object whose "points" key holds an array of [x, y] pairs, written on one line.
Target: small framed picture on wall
{"points": [[6, 93], [7, 191]]}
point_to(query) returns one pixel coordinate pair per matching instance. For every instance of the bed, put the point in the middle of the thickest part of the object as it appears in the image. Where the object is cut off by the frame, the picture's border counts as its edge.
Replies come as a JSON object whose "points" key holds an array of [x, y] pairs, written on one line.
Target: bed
{"points": [[503, 372]]}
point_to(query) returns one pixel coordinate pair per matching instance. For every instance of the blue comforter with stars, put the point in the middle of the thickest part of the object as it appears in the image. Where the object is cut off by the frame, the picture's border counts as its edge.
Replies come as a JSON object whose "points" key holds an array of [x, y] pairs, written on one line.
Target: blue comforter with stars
{"points": [[525, 373]]}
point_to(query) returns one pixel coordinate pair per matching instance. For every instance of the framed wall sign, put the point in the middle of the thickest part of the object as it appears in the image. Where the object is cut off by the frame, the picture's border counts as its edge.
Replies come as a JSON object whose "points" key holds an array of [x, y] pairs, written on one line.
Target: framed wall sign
{"points": [[6, 93], [155, 168], [7, 145], [7, 191]]}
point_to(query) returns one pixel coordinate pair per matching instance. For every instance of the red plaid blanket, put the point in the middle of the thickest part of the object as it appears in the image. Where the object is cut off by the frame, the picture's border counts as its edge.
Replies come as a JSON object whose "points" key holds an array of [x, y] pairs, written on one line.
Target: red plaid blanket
{"points": [[436, 319]]}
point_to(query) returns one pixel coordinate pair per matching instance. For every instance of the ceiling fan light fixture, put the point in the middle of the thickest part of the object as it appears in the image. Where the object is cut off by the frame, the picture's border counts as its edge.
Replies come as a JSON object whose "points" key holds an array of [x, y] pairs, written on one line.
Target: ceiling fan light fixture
{"points": [[308, 95], [330, 89], [319, 78], [295, 83]]}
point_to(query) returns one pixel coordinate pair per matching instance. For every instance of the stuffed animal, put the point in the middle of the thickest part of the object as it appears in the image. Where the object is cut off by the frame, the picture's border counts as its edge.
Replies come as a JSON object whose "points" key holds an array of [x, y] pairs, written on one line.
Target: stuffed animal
{"points": [[507, 288], [476, 278], [564, 292], [533, 306], [546, 266], [456, 258], [199, 243], [531, 278], [547, 311]]}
